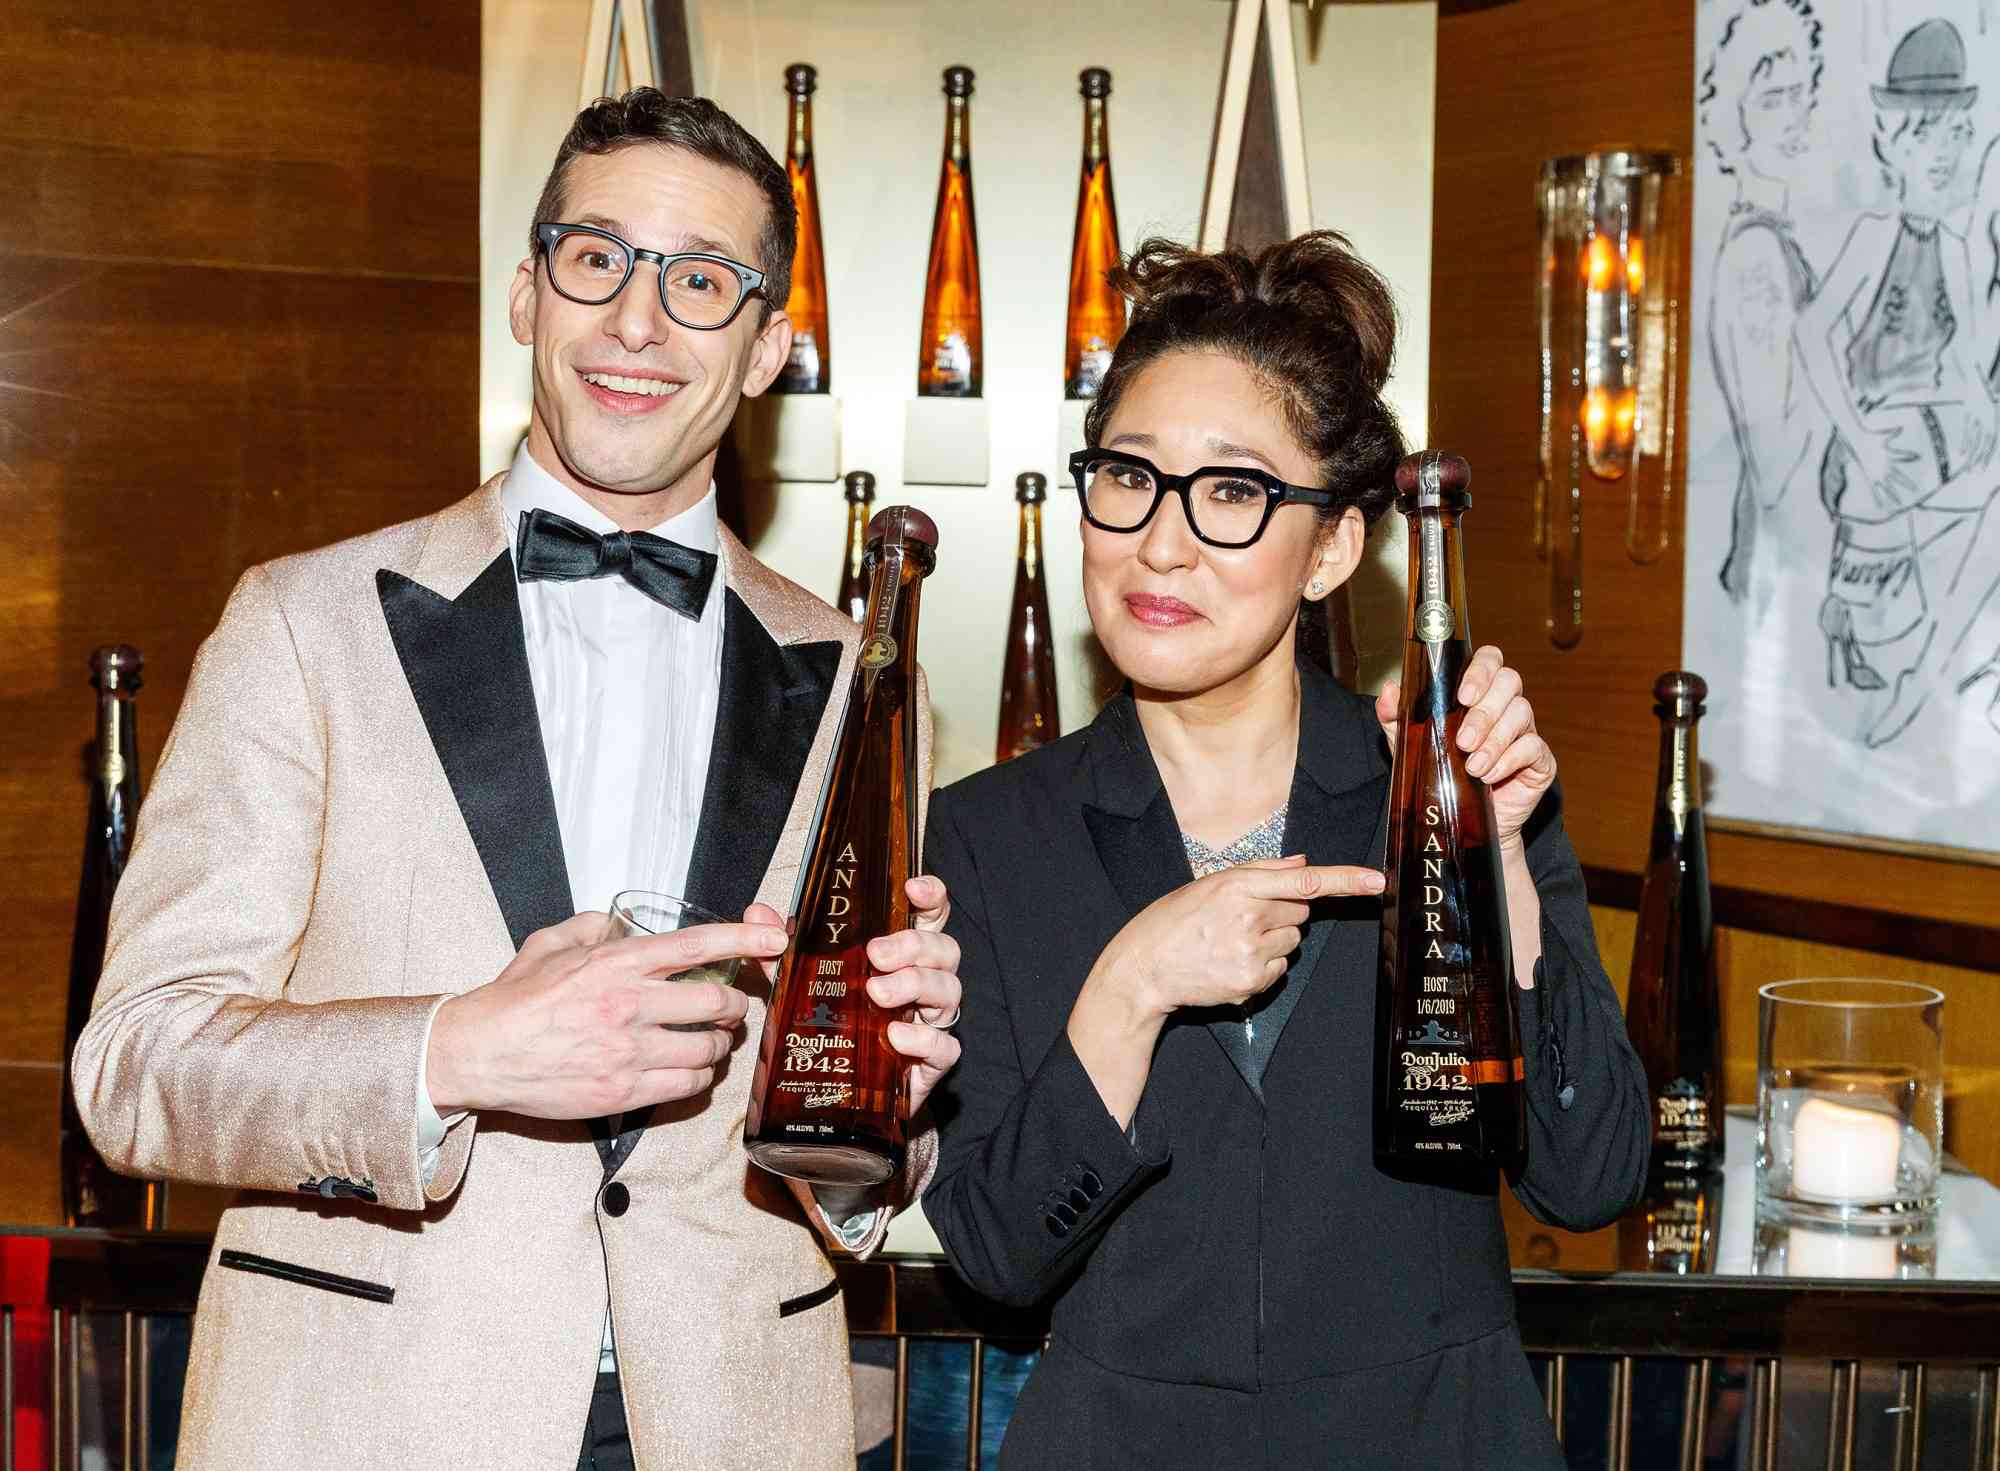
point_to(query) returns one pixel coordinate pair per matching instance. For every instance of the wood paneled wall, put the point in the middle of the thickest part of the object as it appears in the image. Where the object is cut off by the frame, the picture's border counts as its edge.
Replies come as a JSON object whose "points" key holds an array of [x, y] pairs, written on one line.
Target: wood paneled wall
{"points": [[1518, 83], [238, 318]]}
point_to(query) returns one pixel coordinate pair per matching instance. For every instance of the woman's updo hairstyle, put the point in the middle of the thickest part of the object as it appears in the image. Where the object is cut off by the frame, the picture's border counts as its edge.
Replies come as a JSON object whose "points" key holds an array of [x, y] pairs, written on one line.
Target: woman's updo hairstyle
{"points": [[1309, 317]]}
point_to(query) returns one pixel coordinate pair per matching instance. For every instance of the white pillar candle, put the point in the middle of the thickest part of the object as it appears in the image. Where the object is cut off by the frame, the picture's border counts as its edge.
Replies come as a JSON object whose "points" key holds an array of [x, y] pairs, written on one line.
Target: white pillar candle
{"points": [[1844, 1154], [1836, 1253]]}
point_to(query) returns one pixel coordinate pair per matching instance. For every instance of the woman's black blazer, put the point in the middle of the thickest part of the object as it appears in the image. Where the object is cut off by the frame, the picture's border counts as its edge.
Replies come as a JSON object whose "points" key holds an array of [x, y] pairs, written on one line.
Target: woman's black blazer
{"points": [[1236, 1282]]}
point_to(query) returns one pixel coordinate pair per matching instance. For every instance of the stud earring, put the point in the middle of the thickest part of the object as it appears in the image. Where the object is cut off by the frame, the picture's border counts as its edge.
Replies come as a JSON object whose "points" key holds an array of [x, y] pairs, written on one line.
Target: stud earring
{"points": [[1318, 586]]}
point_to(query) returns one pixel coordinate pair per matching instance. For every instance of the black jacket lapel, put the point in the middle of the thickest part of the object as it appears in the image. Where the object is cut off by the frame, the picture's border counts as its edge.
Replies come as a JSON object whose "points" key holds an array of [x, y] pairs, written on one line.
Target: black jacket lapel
{"points": [[1138, 841], [768, 712], [1330, 830], [467, 663], [1337, 817]]}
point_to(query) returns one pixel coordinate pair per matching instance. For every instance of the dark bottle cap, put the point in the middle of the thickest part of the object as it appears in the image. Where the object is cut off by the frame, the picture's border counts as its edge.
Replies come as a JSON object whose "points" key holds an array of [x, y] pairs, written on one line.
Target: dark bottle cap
{"points": [[903, 525], [860, 487], [116, 667], [801, 80], [1432, 478], [1031, 488], [1680, 694], [958, 81], [1095, 81]]}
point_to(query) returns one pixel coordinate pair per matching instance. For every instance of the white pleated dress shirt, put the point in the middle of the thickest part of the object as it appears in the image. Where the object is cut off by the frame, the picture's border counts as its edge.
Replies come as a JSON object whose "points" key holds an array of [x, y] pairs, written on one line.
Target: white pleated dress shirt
{"points": [[626, 691]]}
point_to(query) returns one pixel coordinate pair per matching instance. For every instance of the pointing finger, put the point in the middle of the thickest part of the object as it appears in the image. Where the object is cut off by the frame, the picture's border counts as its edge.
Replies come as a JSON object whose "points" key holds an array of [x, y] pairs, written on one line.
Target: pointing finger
{"points": [[1325, 882]]}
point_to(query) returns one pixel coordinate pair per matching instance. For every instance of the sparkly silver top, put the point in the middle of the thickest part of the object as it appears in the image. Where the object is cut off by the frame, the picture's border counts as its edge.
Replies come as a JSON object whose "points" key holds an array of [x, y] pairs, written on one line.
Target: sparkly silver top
{"points": [[1265, 840]]}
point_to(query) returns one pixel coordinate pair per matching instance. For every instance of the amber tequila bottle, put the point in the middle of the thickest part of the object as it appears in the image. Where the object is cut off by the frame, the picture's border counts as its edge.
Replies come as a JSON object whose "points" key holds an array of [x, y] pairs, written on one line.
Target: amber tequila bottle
{"points": [[1028, 716], [809, 369], [1096, 310], [949, 359], [853, 598], [1673, 1007], [826, 1103], [1449, 1087], [91, 1194]]}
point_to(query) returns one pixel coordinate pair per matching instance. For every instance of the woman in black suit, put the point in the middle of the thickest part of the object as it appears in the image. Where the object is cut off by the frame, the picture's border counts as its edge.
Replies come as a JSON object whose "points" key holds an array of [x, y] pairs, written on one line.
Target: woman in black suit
{"points": [[1161, 1123]]}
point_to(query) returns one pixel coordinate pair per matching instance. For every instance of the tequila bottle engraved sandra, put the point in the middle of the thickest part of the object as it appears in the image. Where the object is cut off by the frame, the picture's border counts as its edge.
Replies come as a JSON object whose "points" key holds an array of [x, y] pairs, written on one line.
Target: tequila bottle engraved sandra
{"points": [[1448, 1033]]}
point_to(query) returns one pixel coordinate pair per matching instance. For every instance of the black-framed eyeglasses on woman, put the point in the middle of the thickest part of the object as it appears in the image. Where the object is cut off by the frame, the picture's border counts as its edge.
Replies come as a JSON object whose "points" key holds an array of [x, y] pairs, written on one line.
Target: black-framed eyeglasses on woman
{"points": [[1227, 506], [699, 290]]}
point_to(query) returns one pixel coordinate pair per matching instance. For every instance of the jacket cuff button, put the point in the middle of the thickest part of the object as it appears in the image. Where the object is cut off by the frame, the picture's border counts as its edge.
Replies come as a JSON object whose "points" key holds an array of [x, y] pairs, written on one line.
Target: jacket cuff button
{"points": [[1056, 1228], [1093, 1186]]}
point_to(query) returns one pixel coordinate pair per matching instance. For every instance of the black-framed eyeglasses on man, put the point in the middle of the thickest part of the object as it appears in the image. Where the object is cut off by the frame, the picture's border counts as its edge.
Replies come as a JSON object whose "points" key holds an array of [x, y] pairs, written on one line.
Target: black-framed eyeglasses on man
{"points": [[590, 265], [1227, 506]]}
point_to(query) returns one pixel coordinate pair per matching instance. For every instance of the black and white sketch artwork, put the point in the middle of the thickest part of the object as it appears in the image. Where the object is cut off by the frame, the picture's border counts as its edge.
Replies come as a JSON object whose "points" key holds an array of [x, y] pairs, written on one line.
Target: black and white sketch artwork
{"points": [[1843, 550]]}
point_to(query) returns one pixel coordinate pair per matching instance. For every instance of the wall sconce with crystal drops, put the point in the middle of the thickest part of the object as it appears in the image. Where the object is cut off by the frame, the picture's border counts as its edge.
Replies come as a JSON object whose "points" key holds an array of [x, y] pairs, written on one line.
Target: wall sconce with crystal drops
{"points": [[1609, 296]]}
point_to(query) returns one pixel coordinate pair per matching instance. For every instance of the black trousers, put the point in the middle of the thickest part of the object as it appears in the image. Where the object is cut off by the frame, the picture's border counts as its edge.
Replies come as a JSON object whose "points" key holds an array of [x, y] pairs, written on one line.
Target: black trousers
{"points": [[607, 1446]]}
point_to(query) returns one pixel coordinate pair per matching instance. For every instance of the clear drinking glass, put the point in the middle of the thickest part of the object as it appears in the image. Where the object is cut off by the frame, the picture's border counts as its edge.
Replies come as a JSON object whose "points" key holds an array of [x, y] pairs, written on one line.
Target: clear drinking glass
{"points": [[640, 912], [1850, 1104]]}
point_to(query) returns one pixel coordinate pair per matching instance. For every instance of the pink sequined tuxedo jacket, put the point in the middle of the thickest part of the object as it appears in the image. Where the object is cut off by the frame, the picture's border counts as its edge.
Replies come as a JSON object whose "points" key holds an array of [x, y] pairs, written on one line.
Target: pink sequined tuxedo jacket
{"points": [[351, 822]]}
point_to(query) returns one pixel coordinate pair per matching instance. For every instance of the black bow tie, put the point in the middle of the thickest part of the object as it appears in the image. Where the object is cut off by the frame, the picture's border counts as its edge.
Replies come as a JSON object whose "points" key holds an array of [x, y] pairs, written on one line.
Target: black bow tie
{"points": [[553, 548]]}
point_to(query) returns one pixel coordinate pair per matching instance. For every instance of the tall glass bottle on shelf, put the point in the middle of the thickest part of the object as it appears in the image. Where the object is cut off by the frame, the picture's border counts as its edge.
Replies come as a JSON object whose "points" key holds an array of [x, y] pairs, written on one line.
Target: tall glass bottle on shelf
{"points": [[853, 597], [1673, 1008], [1096, 309], [1449, 1085], [809, 369], [1028, 715], [826, 1102], [92, 1195], [950, 358]]}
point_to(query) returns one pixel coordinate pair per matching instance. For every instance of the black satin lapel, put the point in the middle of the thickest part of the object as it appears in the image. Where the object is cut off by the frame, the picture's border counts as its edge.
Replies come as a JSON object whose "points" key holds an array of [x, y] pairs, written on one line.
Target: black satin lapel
{"points": [[1146, 860], [770, 704], [1143, 856], [1330, 831], [768, 711], [467, 664]]}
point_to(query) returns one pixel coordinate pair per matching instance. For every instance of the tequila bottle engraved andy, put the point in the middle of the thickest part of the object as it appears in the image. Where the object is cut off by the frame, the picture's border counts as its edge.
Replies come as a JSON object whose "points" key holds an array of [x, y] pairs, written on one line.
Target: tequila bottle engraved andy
{"points": [[826, 1104]]}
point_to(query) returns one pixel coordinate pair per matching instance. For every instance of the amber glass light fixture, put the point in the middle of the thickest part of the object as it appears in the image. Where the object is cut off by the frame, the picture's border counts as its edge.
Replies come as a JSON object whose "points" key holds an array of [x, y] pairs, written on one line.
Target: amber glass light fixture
{"points": [[1613, 225]]}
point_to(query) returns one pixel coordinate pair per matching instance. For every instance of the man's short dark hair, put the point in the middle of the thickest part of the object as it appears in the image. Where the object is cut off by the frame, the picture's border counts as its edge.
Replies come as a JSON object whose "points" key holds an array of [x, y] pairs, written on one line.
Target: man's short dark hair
{"points": [[698, 126]]}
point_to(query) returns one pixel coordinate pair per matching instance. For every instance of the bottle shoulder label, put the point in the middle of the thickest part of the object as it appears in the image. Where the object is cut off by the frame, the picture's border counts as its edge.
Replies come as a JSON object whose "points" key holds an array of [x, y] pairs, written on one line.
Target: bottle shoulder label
{"points": [[1435, 623]]}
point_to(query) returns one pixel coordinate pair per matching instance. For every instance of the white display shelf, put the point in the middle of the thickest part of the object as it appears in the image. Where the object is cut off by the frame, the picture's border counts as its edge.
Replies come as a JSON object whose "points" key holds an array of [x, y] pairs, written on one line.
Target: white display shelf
{"points": [[946, 442], [790, 436]]}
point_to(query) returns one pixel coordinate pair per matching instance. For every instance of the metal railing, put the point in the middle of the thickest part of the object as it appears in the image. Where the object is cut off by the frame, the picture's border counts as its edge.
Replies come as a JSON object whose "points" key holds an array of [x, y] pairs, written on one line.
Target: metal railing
{"points": [[1694, 1337]]}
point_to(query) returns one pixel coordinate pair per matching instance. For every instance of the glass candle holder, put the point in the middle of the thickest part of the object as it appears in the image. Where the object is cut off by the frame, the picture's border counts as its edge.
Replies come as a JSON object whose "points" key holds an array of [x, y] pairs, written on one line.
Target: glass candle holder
{"points": [[1850, 1104]]}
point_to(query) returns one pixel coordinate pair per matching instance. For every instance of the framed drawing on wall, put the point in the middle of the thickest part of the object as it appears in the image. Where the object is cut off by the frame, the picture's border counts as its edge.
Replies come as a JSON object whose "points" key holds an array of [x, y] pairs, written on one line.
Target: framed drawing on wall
{"points": [[1843, 545]]}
